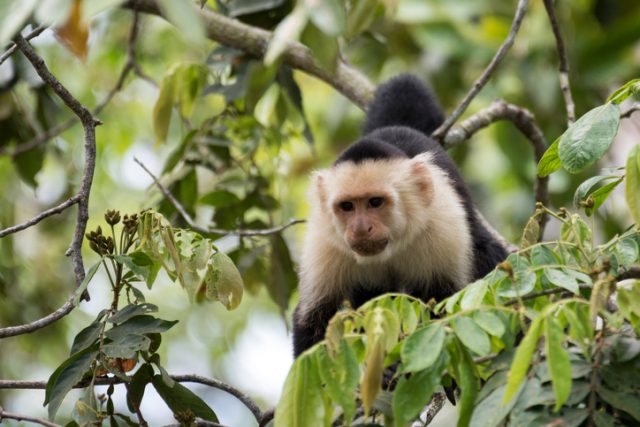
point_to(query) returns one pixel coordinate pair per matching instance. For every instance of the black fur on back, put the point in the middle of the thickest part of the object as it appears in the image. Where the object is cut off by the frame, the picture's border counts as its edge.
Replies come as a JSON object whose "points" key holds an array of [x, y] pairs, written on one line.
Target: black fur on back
{"points": [[404, 101]]}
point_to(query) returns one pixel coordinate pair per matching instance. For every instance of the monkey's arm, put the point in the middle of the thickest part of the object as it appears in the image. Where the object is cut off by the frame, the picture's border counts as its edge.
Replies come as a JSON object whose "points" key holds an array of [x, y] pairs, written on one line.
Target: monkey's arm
{"points": [[309, 327]]}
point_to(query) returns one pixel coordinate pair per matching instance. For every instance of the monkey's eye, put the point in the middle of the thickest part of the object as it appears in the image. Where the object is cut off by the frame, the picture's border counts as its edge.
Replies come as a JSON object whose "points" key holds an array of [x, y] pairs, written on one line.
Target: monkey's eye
{"points": [[346, 206], [376, 202]]}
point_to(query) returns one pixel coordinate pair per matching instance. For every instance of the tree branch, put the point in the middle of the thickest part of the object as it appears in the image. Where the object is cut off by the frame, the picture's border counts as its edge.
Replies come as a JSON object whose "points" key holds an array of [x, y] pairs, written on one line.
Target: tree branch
{"points": [[89, 124], [33, 34], [66, 308], [431, 410], [206, 230], [233, 33], [441, 132], [36, 219], [19, 417], [524, 121], [188, 378], [565, 87]]}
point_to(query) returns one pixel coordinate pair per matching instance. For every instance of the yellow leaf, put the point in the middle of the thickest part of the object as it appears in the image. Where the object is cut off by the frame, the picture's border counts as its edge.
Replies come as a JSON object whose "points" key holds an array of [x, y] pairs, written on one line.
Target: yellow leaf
{"points": [[75, 32]]}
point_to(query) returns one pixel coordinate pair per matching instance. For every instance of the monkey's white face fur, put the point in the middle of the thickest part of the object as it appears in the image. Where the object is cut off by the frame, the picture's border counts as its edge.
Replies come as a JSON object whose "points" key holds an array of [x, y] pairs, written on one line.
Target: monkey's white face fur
{"points": [[375, 218], [372, 208]]}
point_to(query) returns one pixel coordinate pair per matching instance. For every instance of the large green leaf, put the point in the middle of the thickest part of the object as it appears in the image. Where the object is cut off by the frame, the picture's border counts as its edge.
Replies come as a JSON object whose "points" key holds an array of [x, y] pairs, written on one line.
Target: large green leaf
{"points": [[183, 15], [472, 335], [139, 325], [560, 278], [422, 348], [557, 361], [413, 392], [522, 359], [68, 374], [340, 377], [632, 190], [182, 400], [550, 162], [465, 373], [301, 402], [627, 402], [132, 310], [589, 137], [328, 15], [283, 277], [223, 281]]}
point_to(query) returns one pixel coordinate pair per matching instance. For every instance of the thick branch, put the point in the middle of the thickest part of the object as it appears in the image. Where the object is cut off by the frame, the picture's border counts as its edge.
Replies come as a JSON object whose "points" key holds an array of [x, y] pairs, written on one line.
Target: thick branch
{"points": [[189, 378], [565, 87], [206, 230], [36, 219], [441, 132], [89, 124], [523, 120], [4, 415], [431, 410], [233, 33]]}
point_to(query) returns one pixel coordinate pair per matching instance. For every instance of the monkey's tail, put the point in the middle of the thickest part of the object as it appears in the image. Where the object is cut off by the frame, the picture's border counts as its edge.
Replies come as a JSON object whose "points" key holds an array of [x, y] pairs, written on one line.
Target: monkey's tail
{"points": [[404, 101]]}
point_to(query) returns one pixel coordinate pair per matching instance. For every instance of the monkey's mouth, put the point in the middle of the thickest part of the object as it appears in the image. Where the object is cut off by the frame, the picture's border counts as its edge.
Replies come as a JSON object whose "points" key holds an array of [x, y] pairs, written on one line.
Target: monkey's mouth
{"points": [[369, 247]]}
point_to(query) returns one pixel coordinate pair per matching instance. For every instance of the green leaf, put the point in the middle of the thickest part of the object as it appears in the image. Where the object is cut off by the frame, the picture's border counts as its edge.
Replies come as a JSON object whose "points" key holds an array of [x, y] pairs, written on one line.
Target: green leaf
{"points": [[85, 282], [472, 335], [525, 278], [422, 348], [601, 194], [163, 107], [414, 392], [360, 17], [183, 15], [126, 346], [589, 137], [340, 377], [135, 389], [557, 361], [542, 255], [182, 400], [625, 91], [490, 411], [139, 325], [325, 48], [288, 30], [219, 199], [301, 402], [466, 376], [328, 15], [282, 274], [522, 359], [490, 322], [86, 337], [132, 310], [531, 233], [68, 374], [627, 402], [585, 188], [142, 265], [223, 281], [632, 189], [562, 279], [474, 294], [29, 163], [550, 161]]}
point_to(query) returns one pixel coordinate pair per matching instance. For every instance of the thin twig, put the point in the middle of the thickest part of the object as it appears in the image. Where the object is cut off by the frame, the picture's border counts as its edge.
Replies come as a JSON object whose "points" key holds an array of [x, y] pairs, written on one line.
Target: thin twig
{"points": [[207, 230], [33, 34], [188, 378], [441, 132], [89, 124], [255, 41], [19, 417], [563, 69], [36, 219]]}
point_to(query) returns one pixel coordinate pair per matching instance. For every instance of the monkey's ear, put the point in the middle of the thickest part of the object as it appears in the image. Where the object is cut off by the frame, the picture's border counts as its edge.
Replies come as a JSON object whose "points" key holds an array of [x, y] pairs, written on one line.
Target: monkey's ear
{"points": [[420, 174], [319, 182]]}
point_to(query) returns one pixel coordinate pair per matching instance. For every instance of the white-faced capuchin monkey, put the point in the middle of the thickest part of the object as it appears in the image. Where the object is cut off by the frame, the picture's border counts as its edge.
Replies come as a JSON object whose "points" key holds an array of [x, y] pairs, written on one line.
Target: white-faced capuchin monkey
{"points": [[392, 214]]}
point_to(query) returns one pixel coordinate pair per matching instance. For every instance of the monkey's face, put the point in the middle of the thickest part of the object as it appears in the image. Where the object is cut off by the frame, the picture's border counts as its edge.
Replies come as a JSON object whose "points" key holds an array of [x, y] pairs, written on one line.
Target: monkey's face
{"points": [[363, 222]]}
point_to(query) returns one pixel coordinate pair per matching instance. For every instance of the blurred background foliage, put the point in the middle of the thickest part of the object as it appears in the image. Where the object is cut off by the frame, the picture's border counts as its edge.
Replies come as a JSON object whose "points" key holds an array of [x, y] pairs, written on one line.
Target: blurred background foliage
{"points": [[238, 149]]}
